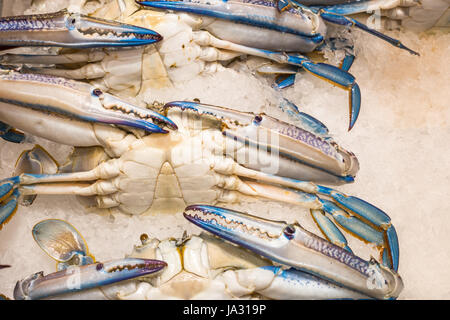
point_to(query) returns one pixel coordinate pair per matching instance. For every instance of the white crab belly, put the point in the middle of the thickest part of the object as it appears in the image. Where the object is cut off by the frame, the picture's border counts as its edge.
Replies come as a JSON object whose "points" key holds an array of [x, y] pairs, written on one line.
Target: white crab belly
{"points": [[163, 175]]}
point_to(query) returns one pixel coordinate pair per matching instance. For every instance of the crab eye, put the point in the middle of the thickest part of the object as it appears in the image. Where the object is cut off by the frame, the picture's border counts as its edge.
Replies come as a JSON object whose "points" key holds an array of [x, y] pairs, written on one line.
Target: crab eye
{"points": [[144, 238], [97, 92], [99, 266], [258, 119], [289, 231], [71, 22]]}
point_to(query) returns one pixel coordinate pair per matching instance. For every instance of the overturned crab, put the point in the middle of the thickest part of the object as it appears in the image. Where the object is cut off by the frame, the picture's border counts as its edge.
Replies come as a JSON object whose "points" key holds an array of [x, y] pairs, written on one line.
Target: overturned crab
{"points": [[198, 267], [208, 154], [200, 37]]}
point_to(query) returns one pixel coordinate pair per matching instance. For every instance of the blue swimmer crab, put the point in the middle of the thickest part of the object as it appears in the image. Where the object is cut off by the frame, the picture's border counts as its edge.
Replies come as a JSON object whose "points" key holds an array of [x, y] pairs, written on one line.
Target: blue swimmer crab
{"points": [[135, 160], [207, 267]]}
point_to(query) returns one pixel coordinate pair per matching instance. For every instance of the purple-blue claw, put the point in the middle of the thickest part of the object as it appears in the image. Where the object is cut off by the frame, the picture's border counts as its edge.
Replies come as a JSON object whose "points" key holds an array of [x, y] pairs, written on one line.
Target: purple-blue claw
{"points": [[71, 30], [292, 245], [73, 279], [78, 100]]}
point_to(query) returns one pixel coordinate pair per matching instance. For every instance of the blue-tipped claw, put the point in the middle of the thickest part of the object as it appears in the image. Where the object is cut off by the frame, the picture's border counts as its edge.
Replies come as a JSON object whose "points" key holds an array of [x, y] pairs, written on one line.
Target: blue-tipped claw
{"points": [[292, 245], [88, 103], [71, 30], [38, 286]]}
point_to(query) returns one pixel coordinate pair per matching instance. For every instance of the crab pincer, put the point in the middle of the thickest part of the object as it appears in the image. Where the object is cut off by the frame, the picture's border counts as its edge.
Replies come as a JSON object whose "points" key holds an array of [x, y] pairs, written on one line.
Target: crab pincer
{"points": [[71, 30], [294, 246], [78, 278]]}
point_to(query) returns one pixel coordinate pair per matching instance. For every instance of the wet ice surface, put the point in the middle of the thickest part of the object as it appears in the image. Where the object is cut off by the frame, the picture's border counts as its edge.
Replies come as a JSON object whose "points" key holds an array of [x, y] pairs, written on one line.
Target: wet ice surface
{"points": [[401, 141]]}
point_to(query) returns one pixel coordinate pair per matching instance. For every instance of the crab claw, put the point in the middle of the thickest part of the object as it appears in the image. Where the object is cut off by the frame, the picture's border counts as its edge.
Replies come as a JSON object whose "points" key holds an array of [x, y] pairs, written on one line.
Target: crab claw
{"points": [[303, 154], [38, 286], [61, 241], [21, 94], [71, 30], [294, 246], [3, 266]]}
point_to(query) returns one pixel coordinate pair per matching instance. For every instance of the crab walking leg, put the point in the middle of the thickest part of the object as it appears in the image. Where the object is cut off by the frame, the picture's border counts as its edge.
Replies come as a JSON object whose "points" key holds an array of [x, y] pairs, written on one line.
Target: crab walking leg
{"points": [[335, 14], [106, 67], [292, 245], [49, 59], [324, 71], [71, 30], [344, 218], [74, 279], [54, 184], [354, 214]]}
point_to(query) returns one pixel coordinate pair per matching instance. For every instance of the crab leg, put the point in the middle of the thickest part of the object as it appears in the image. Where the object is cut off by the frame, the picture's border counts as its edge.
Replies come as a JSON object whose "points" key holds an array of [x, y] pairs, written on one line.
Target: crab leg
{"points": [[264, 20], [294, 246], [71, 30], [61, 241], [74, 279], [308, 122], [68, 110], [300, 153], [355, 6], [10, 134], [303, 193], [336, 76], [335, 14], [297, 30]]}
